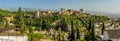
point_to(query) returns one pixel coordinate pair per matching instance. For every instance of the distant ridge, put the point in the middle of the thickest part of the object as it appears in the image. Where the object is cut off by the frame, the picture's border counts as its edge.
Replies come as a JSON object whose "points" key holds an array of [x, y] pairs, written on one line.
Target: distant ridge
{"points": [[91, 12], [104, 13], [27, 9], [15, 9]]}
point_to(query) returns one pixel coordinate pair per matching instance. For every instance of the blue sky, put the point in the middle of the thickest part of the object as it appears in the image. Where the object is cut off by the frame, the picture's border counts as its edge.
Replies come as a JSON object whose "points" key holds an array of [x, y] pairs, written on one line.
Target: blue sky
{"points": [[112, 6]]}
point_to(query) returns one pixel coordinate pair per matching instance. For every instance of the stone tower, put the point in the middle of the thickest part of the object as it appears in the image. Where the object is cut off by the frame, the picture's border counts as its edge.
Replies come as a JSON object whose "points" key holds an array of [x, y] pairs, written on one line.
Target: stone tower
{"points": [[37, 14], [81, 11], [63, 11]]}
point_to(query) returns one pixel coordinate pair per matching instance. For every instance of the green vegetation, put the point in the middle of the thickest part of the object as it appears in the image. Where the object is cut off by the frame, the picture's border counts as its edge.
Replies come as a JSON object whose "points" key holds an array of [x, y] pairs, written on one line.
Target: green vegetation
{"points": [[5, 13], [103, 28], [27, 25]]}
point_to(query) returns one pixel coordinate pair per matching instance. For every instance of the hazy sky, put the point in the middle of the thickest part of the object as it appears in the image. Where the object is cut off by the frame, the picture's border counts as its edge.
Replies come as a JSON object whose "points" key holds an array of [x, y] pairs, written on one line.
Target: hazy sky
{"points": [[112, 6]]}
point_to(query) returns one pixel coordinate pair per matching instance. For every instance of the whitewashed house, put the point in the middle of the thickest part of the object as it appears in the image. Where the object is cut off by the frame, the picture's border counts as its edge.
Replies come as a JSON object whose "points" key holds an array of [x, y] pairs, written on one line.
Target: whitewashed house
{"points": [[13, 38], [9, 34]]}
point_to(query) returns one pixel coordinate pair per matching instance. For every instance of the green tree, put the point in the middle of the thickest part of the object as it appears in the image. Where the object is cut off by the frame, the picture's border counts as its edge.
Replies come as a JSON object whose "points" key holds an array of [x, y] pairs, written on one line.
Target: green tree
{"points": [[31, 37], [59, 35], [20, 11], [103, 28], [93, 29], [72, 35], [90, 31], [20, 21], [93, 33], [31, 34], [88, 34], [78, 33], [7, 24], [44, 25]]}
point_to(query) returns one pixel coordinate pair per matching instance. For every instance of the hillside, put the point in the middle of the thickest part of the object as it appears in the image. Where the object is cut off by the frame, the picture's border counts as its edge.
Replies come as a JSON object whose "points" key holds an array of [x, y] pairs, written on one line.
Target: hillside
{"points": [[5, 13]]}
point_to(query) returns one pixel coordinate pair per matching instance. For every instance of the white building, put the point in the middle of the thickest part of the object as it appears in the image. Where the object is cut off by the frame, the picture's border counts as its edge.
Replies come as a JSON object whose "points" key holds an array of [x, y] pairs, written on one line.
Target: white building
{"points": [[9, 34], [13, 38]]}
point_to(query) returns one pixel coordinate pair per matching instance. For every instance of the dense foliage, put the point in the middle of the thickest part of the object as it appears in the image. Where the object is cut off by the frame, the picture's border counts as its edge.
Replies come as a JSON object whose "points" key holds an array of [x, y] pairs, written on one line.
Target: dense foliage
{"points": [[26, 24]]}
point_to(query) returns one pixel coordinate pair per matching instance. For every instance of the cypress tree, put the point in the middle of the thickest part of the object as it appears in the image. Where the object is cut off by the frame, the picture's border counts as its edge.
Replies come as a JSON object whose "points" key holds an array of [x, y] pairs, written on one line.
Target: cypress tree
{"points": [[44, 26], [59, 35], [90, 25], [88, 36], [78, 33], [103, 28], [21, 20], [30, 34], [7, 24], [72, 36], [90, 32], [69, 37], [31, 38], [93, 29], [93, 33]]}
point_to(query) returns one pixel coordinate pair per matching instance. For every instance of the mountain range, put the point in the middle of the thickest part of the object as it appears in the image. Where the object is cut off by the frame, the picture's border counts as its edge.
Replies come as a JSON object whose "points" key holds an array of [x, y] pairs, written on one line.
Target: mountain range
{"points": [[88, 11]]}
